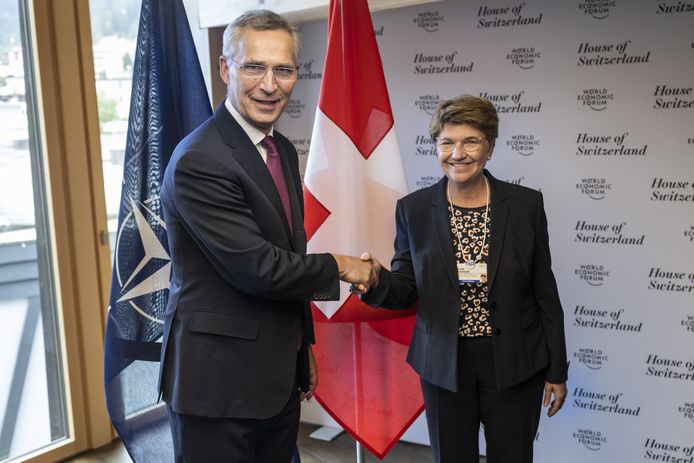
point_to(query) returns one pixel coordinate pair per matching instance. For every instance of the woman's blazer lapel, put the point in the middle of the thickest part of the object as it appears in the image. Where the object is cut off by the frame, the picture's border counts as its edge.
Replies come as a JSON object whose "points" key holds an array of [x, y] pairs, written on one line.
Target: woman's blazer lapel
{"points": [[497, 226], [442, 225]]}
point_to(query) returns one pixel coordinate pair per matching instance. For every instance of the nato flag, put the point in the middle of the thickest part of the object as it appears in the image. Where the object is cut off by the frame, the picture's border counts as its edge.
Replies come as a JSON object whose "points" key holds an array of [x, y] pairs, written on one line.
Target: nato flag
{"points": [[169, 100]]}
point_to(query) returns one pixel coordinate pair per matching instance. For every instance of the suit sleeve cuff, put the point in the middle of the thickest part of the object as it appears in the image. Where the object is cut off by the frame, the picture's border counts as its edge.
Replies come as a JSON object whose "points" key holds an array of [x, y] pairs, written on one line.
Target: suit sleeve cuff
{"points": [[331, 286], [375, 296], [557, 373]]}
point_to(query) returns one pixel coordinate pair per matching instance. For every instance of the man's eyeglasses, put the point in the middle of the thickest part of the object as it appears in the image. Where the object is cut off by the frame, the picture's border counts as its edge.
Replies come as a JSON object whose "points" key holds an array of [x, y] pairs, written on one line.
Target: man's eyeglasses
{"points": [[257, 71], [469, 145]]}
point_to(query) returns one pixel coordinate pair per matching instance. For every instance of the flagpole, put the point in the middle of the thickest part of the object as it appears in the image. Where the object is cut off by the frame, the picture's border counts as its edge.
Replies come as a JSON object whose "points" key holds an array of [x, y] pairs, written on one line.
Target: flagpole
{"points": [[361, 455]]}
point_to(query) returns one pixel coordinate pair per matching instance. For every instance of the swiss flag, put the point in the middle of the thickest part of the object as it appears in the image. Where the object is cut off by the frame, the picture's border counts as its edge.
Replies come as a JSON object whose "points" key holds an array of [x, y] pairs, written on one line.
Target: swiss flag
{"points": [[353, 179]]}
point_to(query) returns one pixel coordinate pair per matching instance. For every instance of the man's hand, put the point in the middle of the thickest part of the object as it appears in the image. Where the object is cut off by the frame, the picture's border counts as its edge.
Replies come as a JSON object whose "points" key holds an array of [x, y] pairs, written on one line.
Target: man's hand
{"points": [[375, 266], [360, 272], [559, 393], [313, 377]]}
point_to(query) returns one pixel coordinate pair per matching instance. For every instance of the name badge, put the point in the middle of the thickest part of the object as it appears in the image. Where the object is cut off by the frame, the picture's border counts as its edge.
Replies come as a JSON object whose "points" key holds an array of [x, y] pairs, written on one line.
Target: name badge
{"points": [[475, 274]]}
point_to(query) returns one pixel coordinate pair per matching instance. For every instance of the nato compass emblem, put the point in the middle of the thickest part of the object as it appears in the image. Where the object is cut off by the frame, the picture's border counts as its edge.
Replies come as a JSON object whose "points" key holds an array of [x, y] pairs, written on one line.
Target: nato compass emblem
{"points": [[142, 262]]}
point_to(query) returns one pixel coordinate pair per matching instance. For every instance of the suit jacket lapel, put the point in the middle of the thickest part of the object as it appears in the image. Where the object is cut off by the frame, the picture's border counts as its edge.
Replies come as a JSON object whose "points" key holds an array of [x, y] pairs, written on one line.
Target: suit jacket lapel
{"points": [[499, 212], [290, 176], [247, 155], [442, 225]]}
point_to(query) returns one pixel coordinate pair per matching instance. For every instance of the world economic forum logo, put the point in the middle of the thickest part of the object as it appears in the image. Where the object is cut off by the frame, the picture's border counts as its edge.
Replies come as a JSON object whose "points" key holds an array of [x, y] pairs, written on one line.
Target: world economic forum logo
{"points": [[142, 262], [598, 9], [591, 357], [429, 20], [294, 108], [590, 438]]}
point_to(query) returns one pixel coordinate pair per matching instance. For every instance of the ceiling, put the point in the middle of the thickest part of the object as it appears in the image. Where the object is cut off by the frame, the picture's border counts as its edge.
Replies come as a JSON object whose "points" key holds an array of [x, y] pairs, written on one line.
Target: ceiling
{"points": [[215, 13]]}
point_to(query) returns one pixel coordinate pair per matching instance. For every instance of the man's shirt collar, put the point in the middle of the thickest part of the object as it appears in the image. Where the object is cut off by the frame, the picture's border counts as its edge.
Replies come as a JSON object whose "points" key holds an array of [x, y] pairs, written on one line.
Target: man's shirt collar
{"points": [[253, 132]]}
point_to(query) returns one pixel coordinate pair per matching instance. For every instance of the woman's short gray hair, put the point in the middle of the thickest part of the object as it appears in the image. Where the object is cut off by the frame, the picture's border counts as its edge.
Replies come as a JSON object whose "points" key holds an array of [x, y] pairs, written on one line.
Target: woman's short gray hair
{"points": [[259, 20], [477, 112]]}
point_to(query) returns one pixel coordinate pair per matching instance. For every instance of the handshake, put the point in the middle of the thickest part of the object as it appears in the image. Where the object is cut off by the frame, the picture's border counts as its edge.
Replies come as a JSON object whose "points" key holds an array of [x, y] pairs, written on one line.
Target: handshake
{"points": [[361, 272]]}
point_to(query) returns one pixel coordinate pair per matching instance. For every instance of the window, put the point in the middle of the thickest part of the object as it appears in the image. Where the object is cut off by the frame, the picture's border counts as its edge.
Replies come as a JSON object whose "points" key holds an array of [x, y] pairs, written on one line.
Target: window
{"points": [[32, 388], [114, 32]]}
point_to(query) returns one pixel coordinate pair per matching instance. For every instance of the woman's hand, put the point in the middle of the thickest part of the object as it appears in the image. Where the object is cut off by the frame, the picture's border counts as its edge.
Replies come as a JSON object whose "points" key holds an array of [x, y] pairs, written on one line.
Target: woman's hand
{"points": [[559, 393]]}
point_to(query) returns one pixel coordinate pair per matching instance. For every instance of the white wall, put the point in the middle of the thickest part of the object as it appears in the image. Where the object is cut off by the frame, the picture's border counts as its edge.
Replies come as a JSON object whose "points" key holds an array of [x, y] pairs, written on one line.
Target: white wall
{"points": [[201, 42], [596, 102]]}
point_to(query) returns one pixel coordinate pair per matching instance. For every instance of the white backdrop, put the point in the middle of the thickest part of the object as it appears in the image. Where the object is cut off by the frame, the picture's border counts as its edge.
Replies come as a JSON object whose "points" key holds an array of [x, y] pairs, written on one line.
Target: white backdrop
{"points": [[596, 101]]}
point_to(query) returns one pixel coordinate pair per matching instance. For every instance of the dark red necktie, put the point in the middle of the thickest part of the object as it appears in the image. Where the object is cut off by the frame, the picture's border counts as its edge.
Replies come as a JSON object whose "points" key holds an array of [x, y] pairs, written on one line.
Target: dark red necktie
{"points": [[274, 165]]}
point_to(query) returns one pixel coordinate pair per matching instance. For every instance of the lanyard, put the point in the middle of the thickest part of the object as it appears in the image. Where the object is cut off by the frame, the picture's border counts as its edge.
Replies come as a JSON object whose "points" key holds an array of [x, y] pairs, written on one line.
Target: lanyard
{"points": [[469, 263]]}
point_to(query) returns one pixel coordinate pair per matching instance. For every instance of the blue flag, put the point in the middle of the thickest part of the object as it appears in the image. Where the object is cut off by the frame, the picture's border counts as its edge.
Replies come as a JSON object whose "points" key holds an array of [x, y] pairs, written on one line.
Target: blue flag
{"points": [[169, 100]]}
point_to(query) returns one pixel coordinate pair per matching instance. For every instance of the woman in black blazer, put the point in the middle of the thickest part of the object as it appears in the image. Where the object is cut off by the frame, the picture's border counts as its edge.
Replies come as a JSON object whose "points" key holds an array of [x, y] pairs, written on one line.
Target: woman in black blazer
{"points": [[473, 251]]}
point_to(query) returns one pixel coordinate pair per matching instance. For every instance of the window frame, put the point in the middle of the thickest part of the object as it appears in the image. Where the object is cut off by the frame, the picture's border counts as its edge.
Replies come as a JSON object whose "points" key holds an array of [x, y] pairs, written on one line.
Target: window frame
{"points": [[68, 132]]}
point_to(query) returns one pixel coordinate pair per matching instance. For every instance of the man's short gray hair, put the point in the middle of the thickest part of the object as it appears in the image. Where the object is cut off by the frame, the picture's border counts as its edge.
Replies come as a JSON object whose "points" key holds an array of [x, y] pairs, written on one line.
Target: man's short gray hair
{"points": [[259, 20]]}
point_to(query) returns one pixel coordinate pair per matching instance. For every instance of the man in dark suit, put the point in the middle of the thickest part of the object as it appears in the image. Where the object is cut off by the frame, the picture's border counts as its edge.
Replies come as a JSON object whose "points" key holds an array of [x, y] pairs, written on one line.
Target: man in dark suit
{"points": [[236, 355]]}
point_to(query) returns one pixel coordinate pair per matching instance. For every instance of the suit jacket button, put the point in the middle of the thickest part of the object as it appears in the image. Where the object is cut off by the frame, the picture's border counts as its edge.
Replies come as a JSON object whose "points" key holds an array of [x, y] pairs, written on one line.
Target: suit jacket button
{"points": [[296, 321], [492, 305], [497, 331]]}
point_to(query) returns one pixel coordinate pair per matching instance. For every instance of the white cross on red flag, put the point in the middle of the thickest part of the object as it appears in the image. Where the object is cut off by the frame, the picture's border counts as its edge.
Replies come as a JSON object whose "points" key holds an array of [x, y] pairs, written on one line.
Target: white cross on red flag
{"points": [[353, 179]]}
